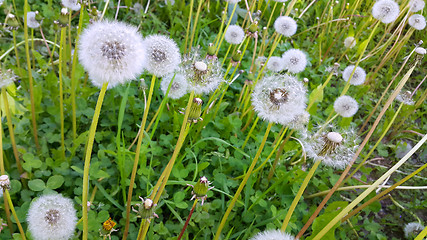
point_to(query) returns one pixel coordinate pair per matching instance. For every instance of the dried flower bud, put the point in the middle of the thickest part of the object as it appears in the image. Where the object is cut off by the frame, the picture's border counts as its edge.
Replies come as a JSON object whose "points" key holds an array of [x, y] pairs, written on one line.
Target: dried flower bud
{"points": [[195, 110], [201, 189], [146, 209], [4, 182], [211, 50], [11, 22]]}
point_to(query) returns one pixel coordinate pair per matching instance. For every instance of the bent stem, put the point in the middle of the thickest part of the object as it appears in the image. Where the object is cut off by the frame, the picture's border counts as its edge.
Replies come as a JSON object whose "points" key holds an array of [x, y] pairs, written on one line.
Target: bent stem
{"points": [[188, 219], [243, 183], [89, 147], [137, 153]]}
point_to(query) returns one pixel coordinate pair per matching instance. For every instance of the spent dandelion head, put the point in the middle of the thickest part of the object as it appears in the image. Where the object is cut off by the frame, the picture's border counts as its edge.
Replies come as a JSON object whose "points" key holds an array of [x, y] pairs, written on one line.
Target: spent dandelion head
{"points": [[179, 85], [146, 209], [275, 64], [417, 21], [346, 106], [31, 20], [349, 42], [416, 5], [6, 78], [234, 34], [4, 183], [279, 98], [385, 10], [52, 217], [295, 60], [112, 52], [405, 97], [285, 26], [163, 55], [358, 77], [201, 189], [412, 229], [273, 235], [71, 4]]}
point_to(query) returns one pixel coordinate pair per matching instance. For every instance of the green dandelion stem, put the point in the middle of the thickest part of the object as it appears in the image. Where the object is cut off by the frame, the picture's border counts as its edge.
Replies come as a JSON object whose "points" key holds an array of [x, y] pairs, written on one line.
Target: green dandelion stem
{"points": [[61, 97], [9, 200], [226, 27], [188, 25], [193, 32], [16, 50]]}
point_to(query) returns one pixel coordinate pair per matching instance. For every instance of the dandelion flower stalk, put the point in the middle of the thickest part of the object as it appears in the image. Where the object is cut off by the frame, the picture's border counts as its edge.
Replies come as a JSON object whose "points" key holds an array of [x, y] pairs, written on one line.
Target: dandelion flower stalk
{"points": [[190, 16], [193, 32], [188, 219], [12, 209], [16, 50], [61, 97], [226, 28]]}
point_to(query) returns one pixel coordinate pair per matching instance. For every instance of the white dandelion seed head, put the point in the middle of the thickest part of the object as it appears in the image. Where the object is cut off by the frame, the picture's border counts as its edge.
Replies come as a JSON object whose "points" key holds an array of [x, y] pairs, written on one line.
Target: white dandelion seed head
{"points": [[234, 34], [232, 1], [203, 75], [179, 85], [350, 42], [52, 217], [417, 21], [275, 64], [300, 121], [273, 235], [112, 52], [6, 78], [163, 55], [295, 60], [31, 20], [416, 5], [346, 106], [334, 148], [260, 61], [285, 26], [358, 77], [405, 97], [385, 10], [72, 4], [420, 50], [413, 229], [279, 98]]}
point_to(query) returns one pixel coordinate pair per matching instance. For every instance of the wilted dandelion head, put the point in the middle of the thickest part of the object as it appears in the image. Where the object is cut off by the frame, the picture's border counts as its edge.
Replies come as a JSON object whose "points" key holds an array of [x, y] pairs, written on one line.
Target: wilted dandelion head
{"points": [[350, 42], [6, 78], [234, 34], [112, 52], [417, 21], [285, 26], [358, 77], [31, 20], [179, 85], [163, 55], [405, 97], [279, 98], [385, 10], [203, 75], [346, 106], [295, 60], [273, 235], [52, 217], [416, 5], [71, 4], [275, 64], [413, 229], [333, 148]]}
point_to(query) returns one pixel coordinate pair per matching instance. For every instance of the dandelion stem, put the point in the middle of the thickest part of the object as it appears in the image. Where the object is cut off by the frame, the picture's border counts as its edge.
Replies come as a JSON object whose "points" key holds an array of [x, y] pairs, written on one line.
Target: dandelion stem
{"points": [[16, 50], [9, 200], [243, 183], [188, 219], [105, 9], [226, 27], [188, 25], [250, 132], [193, 32], [61, 99], [88, 154]]}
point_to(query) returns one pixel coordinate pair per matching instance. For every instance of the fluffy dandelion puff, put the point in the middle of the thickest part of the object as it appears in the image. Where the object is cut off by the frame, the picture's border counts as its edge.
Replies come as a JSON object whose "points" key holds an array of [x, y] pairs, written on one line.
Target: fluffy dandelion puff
{"points": [[300, 121], [295, 60], [162, 55], [334, 149], [285, 26], [52, 217], [6, 78], [350, 42], [416, 5], [279, 98], [276, 64], [420, 50], [273, 235], [358, 77], [71, 4], [234, 34], [405, 97], [346, 106], [112, 52], [412, 229], [179, 85], [31, 20], [385, 10], [417, 21]]}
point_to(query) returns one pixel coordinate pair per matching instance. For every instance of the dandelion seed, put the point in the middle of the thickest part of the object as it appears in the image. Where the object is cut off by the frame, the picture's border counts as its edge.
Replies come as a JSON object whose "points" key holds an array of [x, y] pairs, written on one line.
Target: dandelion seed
{"points": [[413, 229], [417, 21], [416, 5], [405, 97], [276, 64], [234, 34], [31, 20], [279, 98], [285, 26], [6, 78], [71, 4], [162, 54], [273, 235], [179, 85], [52, 217], [350, 42], [112, 52], [358, 77], [346, 106], [295, 60], [385, 10]]}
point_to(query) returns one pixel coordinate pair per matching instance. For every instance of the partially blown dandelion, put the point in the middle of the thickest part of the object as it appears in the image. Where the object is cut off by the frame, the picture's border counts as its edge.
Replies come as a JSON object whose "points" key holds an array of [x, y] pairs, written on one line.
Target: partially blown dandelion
{"points": [[163, 55], [350, 42], [417, 21], [234, 34], [358, 77], [416, 5], [52, 217], [405, 97], [285, 26], [31, 20], [179, 85], [112, 52], [385, 10], [346, 106], [71, 4], [273, 235], [275, 64], [295, 60], [413, 229], [6, 78]]}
